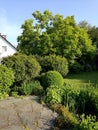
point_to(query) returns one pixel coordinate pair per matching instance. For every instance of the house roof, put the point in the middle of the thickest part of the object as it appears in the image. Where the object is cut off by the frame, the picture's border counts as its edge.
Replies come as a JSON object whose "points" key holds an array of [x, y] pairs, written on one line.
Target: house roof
{"points": [[7, 41]]}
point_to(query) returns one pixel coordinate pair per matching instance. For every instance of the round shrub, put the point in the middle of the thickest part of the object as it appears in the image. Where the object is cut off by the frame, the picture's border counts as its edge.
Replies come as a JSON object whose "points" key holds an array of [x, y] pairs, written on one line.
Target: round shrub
{"points": [[6, 78], [25, 67], [51, 78], [53, 62]]}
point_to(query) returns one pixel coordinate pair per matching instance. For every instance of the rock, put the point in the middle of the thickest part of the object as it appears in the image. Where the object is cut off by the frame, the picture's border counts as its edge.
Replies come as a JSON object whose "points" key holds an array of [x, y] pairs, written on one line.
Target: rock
{"points": [[25, 114]]}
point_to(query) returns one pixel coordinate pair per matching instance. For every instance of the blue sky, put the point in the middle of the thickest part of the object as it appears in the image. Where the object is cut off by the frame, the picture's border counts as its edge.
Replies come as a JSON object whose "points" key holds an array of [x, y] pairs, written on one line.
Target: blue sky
{"points": [[13, 13]]}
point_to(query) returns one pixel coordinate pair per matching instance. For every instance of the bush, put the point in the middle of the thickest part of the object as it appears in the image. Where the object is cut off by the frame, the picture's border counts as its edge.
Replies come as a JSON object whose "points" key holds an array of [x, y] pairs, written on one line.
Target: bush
{"points": [[25, 67], [4, 89], [25, 89], [37, 89], [33, 87], [51, 78], [53, 62], [65, 118], [6, 79], [76, 67], [87, 123], [87, 101], [71, 92], [54, 94]]}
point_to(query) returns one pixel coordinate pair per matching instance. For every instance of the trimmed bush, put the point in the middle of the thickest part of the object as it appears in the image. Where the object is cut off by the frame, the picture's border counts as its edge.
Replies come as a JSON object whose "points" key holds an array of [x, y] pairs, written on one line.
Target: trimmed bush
{"points": [[25, 67], [6, 79], [53, 62], [51, 78]]}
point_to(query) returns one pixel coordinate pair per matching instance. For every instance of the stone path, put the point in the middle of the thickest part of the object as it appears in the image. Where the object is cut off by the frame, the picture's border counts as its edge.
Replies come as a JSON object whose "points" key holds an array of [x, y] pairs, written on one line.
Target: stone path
{"points": [[25, 114]]}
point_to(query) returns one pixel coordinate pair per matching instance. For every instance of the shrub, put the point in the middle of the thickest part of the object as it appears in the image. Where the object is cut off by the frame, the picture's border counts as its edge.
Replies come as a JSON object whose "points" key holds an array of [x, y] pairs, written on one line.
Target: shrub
{"points": [[26, 89], [65, 118], [25, 67], [87, 101], [33, 87], [76, 67], [6, 79], [54, 94], [14, 94], [87, 123], [51, 78], [37, 89], [4, 89], [3, 95], [53, 62], [71, 92]]}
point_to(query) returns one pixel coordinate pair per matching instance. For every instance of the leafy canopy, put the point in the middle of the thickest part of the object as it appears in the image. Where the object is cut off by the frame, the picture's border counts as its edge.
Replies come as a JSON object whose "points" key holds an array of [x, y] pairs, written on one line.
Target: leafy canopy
{"points": [[53, 34]]}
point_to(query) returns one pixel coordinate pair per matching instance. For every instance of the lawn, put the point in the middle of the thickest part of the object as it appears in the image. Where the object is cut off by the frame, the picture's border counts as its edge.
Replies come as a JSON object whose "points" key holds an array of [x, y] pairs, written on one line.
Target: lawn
{"points": [[82, 78]]}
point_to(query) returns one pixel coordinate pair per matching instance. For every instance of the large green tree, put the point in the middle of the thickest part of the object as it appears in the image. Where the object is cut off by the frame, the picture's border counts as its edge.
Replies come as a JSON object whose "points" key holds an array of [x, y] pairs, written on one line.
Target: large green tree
{"points": [[84, 24], [53, 34], [93, 32]]}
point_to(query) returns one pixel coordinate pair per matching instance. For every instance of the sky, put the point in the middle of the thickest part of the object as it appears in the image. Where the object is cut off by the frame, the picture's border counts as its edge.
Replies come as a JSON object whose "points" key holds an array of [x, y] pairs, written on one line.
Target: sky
{"points": [[13, 13]]}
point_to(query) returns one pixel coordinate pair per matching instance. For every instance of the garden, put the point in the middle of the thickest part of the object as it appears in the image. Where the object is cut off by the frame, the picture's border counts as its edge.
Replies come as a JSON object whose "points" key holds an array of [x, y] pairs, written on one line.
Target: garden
{"points": [[56, 60], [74, 96]]}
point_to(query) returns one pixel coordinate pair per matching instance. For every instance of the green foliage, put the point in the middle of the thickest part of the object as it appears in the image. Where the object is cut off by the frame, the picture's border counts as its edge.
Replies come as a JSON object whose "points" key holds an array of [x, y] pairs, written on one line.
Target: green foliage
{"points": [[54, 94], [93, 32], [65, 118], [84, 24], [4, 89], [71, 92], [6, 80], [3, 95], [53, 34], [25, 67], [26, 89], [53, 62], [14, 94], [87, 123], [37, 89], [87, 101], [51, 78], [6, 76], [32, 87], [76, 67]]}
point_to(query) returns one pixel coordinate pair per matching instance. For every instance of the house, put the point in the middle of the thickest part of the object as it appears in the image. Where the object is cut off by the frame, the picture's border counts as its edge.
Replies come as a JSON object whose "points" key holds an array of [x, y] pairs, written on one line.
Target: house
{"points": [[6, 48]]}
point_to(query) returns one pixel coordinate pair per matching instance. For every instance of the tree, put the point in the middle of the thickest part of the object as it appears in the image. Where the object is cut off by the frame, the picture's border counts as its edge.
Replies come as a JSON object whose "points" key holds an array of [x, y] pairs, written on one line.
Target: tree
{"points": [[93, 32], [84, 24], [53, 34]]}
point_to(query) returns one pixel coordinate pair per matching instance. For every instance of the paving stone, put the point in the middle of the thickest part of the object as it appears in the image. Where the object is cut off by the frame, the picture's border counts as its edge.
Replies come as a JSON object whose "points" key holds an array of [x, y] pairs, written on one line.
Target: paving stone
{"points": [[22, 113]]}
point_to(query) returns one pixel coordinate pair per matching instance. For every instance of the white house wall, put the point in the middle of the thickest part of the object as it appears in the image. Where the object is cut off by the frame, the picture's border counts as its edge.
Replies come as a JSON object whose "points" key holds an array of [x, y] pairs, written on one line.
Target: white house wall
{"points": [[10, 49]]}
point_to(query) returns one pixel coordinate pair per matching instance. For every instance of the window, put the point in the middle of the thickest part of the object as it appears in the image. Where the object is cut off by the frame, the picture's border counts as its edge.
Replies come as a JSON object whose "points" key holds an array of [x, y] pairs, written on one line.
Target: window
{"points": [[4, 48]]}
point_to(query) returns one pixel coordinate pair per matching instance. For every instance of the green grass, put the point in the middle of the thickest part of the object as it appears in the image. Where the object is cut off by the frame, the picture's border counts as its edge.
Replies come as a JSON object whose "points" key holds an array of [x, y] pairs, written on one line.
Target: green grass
{"points": [[82, 78]]}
